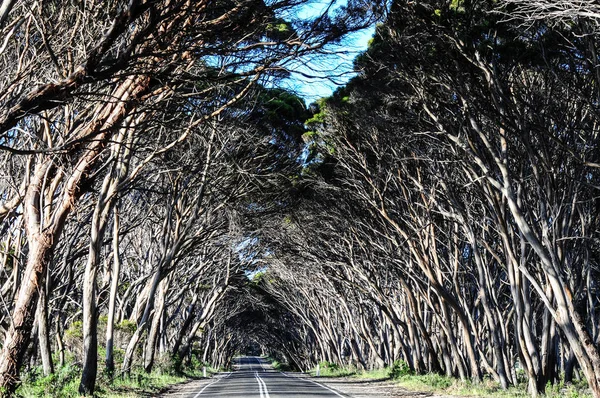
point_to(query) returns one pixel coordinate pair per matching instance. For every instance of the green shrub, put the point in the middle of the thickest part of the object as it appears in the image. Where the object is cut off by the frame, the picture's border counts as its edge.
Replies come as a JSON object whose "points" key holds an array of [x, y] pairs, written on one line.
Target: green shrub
{"points": [[75, 330], [63, 383], [330, 369], [329, 365], [398, 369], [126, 326]]}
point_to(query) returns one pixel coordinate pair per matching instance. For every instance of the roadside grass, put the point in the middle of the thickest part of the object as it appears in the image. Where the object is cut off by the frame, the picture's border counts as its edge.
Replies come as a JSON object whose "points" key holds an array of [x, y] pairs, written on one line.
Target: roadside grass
{"points": [[375, 374], [65, 381], [440, 384], [329, 369], [139, 383], [279, 366], [435, 383]]}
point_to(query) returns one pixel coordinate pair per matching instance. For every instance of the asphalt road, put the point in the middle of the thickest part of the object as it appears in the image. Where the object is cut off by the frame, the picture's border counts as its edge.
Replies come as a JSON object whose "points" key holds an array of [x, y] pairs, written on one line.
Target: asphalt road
{"points": [[254, 378]]}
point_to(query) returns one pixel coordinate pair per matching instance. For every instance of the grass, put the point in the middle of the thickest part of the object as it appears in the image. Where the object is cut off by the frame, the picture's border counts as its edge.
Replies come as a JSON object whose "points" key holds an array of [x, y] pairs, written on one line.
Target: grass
{"points": [[375, 374], [440, 384], [65, 381], [139, 384], [329, 369], [450, 386], [279, 366]]}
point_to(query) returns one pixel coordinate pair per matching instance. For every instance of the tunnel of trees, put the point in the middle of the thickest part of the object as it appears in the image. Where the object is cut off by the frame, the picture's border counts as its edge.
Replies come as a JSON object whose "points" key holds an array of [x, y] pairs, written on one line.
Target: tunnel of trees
{"points": [[165, 202]]}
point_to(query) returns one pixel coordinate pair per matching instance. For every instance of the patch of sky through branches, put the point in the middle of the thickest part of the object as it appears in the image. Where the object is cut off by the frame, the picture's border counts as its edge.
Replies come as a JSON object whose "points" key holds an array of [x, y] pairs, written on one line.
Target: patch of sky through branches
{"points": [[320, 74]]}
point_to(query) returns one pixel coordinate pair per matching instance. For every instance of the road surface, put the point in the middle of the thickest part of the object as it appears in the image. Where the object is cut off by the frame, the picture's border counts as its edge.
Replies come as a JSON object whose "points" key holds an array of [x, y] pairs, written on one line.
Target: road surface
{"points": [[254, 378]]}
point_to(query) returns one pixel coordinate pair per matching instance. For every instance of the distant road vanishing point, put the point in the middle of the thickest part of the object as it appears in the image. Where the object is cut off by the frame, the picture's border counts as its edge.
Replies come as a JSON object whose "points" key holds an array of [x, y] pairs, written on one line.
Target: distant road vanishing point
{"points": [[253, 377]]}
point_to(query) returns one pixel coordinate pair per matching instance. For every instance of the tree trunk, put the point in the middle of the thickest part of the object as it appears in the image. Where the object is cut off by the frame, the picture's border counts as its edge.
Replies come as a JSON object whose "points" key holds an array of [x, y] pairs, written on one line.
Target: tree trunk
{"points": [[60, 345], [159, 307], [43, 240], [40, 252], [104, 205], [43, 333], [90, 316], [112, 298], [143, 325], [189, 318]]}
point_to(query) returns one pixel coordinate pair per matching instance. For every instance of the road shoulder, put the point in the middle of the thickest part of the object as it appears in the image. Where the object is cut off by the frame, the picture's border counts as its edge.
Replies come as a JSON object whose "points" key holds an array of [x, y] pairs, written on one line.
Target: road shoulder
{"points": [[369, 388], [187, 388]]}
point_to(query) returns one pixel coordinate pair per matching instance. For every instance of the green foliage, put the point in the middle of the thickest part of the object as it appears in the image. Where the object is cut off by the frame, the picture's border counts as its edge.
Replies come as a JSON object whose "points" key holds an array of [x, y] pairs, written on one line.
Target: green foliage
{"points": [[279, 365], [449, 386], [374, 374], [310, 137], [75, 330], [279, 29], [118, 354], [570, 390], [141, 382], [126, 326], [123, 287], [63, 383], [398, 369], [317, 118], [319, 114], [457, 6], [426, 382], [258, 277], [330, 369], [329, 365], [281, 113]]}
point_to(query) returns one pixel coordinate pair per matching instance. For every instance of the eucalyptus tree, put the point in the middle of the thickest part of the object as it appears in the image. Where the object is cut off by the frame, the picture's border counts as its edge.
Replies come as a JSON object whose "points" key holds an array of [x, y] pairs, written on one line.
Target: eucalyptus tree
{"points": [[77, 76], [469, 159], [564, 12]]}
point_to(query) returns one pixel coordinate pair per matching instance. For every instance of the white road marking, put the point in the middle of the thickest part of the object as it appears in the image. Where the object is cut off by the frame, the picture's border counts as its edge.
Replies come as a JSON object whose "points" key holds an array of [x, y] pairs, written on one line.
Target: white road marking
{"points": [[262, 367], [325, 387], [210, 384], [262, 386], [314, 382]]}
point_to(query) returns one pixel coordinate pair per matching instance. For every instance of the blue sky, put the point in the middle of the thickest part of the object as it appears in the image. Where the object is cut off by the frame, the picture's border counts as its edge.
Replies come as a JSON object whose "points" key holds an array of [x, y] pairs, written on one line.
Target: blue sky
{"points": [[328, 70], [338, 64]]}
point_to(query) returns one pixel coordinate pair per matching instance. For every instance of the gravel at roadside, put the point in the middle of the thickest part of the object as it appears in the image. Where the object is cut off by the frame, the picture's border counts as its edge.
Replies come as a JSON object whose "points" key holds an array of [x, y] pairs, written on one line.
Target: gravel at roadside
{"points": [[367, 388]]}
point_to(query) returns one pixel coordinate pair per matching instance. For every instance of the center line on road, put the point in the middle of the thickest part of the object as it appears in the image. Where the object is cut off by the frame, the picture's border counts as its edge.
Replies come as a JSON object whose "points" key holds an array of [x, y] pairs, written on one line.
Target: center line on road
{"points": [[260, 363], [262, 386]]}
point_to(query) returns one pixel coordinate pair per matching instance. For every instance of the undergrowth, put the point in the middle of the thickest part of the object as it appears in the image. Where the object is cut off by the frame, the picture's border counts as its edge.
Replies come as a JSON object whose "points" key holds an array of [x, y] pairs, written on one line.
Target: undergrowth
{"points": [[441, 384], [65, 381]]}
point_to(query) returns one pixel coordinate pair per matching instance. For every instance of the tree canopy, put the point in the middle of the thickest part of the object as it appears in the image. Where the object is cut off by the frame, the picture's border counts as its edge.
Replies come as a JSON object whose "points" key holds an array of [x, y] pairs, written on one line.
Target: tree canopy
{"points": [[166, 203]]}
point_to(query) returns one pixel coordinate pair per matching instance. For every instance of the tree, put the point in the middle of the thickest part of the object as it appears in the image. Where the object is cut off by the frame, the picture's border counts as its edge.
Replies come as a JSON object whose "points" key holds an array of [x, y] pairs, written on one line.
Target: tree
{"points": [[75, 97]]}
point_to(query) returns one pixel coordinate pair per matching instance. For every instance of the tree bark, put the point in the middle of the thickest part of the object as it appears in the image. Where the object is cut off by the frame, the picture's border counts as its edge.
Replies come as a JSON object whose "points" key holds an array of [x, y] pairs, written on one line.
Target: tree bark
{"points": [[159, 307], [112, 298], [43, 333], [43, 238]]}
